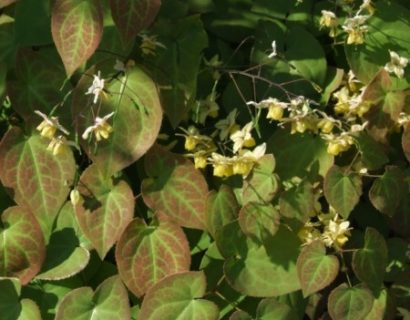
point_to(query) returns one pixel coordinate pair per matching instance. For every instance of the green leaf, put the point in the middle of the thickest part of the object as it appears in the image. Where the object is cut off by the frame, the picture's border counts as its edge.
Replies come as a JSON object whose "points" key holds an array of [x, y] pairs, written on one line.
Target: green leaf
{"points": [[5, 3], [387, 191], [334, 78], [105, 201], [405, 141], [177, 67], [64, 255], [11, 307], [147, 254], [387, 103], [261, 185], [273, 309], [248, 264], [369, 263], [7, 39], [299, 154], [38, 74], [175, 188], [22, 248], [136, 122], [316, 270], [32, 25], [383, 307], [259, 221], [349, 303], [109, 301], [131, 16], [77, 27], [179, 297], [298, 202], [36, 178], [240, 315], [373, 153], [342, 190], [221, 208], [389, 28]]}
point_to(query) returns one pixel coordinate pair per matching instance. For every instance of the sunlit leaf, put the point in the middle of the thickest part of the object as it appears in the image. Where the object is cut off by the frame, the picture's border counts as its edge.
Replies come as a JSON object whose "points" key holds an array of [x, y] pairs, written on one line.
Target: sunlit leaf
{"points": [[64, 255], [22, 248], [298, 202], [175, 188], [249, 264], [147, 254], [259, 221], [221, 208], [109, 301], [342, 190], [348, 303], [35, 177], [131, 16], [274, 309], [373, 153], [387, 191], [383, 306], [179, 297], [316, 270], [136, 122], [11, 307], [369, 263], [77, 27], [240, 315]]}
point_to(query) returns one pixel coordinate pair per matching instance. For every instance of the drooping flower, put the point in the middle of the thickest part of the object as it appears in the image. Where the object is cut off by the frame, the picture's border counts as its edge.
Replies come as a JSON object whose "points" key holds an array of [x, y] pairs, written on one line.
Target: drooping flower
{"points": [[274, 52], [58, 145], [194, 139], [368, 5], [309, 233], [243, 138], [328, 19], [244, 163], [96, 87], [223, 166], [150, 44], [275, 107], [228, 125], [355, 29], [338, 144], [336, 232], [396, 64], [49, 126], [100, 128]]}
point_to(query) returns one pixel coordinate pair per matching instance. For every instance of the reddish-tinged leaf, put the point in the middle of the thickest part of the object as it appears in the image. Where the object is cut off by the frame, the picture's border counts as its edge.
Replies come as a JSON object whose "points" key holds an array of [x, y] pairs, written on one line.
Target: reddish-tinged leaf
{"points": [[147, 254], [369, 263], [22, 247], [131, 16], [269, 309], [38, 77], [179, 297], [175, 188], [316, 270], [136, 122], [106, 210], [259, 221], [77, 27], [109, 301], [240, 315], [298, 202], [35, 178], [221, 208], [5, 3], [350, 303], [406, 141]]}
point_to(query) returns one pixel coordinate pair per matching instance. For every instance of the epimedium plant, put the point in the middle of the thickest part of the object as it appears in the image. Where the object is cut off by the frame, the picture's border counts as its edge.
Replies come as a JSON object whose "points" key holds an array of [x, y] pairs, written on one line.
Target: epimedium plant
{"points": [[204, 159]]}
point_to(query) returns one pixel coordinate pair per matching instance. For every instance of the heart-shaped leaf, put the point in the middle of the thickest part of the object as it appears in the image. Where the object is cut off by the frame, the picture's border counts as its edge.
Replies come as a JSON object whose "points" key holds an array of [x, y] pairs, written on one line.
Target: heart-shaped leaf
{"points": [[269, 309], [147, 254], [22, 248], [179, 297], [77, 27], [221, 208], [349, 303], [175, 188], [109, 301], [259, 221], [373, 153], [298, 202], [106, 209], [387, 191], [342, 190], [249, 264], [131, 16], [369, 263], [36, 178], [316, 270], [64, 255], [136, 121], [262, 184], [11, 307]]}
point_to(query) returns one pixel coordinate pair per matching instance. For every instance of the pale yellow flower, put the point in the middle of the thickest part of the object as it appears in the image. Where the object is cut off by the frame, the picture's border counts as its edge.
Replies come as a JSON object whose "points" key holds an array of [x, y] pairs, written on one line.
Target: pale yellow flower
{"points": [[228, 125], [336, 232], [244, 163], [96, 87], [396, 64], [243, 138], [100, 128], [49, 126], [223, 166], [355, 29], [58, 145], [150, 44]]}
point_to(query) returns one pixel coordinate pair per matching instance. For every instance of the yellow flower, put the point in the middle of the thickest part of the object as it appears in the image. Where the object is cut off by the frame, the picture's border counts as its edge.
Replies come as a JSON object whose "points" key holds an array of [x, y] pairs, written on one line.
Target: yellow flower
{"points": [[326, 125], [228, 125], [58, 145], [355, 29], [150, 44], [200, 161], [337, 145], [396, 64], [343, 98], [48, 127], [223, 166], [368, 5], [100, 128], [193, 140], [308, 233], [243, 138], [275, 107], [244, 163], [328, 19], [336, 232]]}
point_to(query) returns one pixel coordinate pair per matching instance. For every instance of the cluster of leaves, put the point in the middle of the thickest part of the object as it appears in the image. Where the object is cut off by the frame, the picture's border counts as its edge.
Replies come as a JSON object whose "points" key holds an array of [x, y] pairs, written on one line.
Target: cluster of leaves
{"points": [[123, 224]]}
